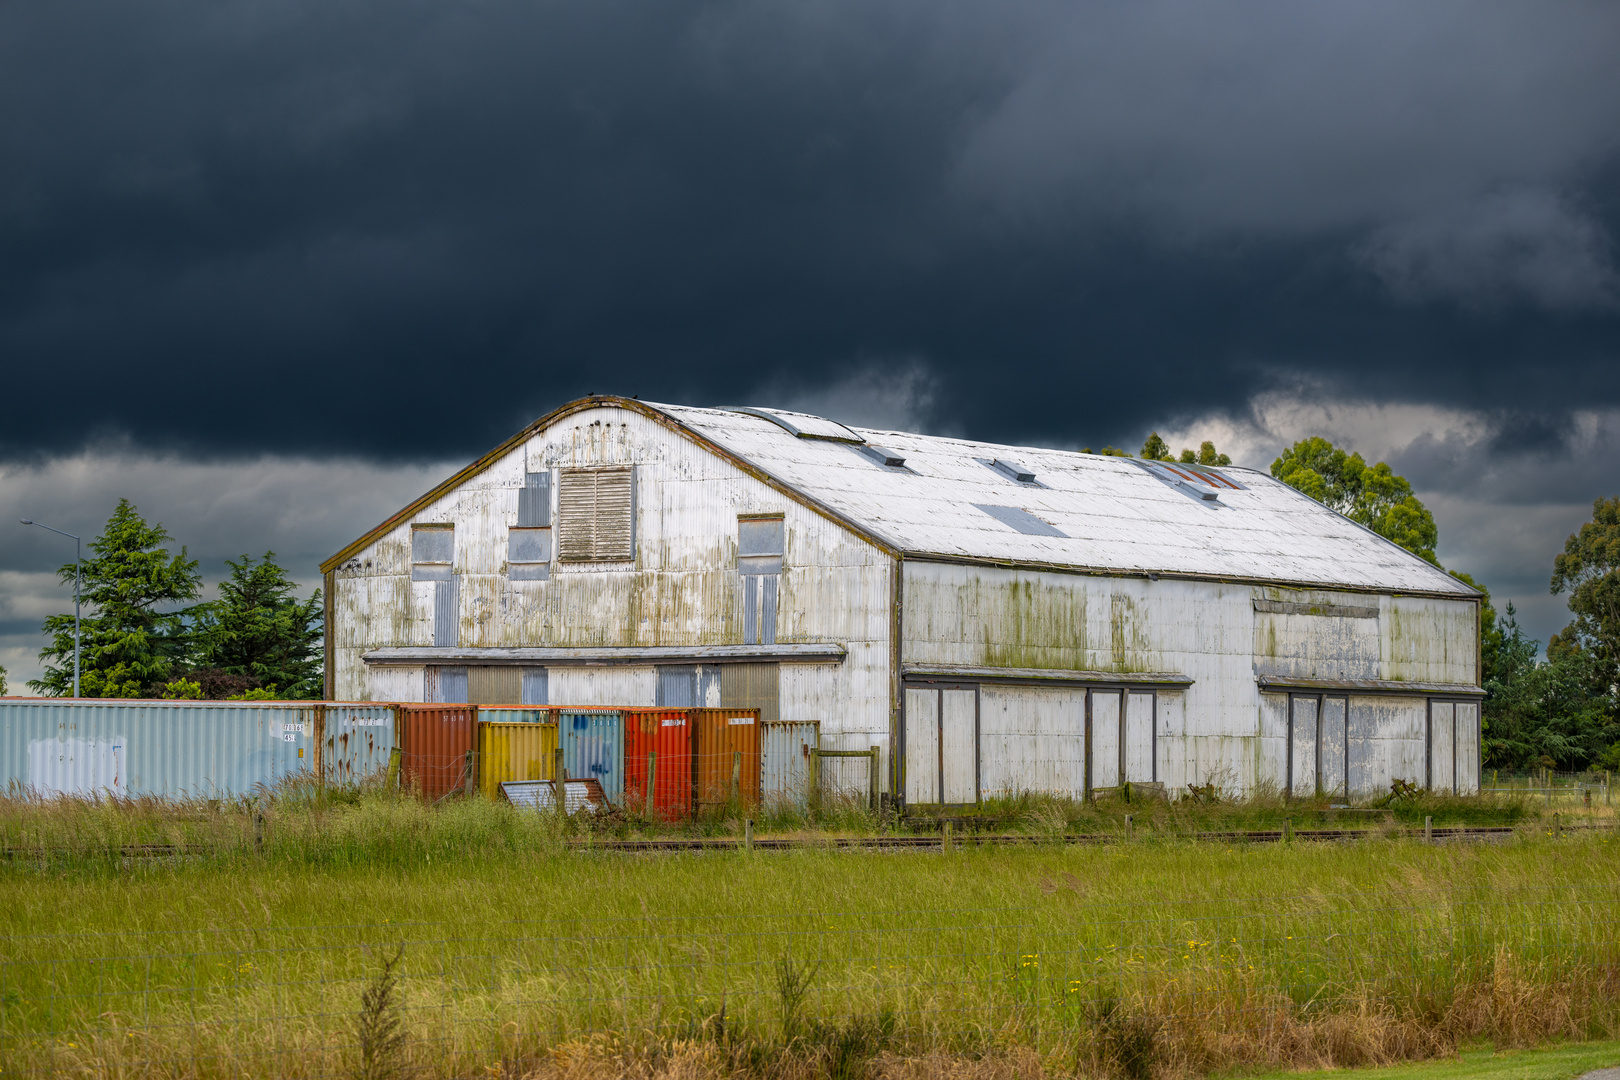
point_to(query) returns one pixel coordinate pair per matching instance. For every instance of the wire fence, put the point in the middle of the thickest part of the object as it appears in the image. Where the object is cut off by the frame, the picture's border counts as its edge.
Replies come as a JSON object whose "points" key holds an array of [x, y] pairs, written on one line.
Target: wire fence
{"points": [[1587, 788], [1200, 985]]}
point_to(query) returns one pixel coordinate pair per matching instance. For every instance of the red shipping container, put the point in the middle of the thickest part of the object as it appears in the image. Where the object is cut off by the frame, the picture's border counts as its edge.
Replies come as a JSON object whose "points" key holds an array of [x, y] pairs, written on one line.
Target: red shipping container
{"points": [[725, 747], [436, 751], [667, 733]]}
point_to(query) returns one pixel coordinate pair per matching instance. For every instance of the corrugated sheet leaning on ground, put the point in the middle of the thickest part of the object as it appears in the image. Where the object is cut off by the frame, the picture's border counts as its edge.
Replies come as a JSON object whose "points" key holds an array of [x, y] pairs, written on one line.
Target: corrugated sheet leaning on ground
{"points": [[725, 741], [61, 746], [437, 747], [668, 734]]}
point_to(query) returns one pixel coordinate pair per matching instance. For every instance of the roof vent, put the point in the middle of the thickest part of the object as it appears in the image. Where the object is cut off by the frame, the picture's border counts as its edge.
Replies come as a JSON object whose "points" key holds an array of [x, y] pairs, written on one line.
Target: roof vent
{"points": [[881, 455], [802, 425], [1010, 469]]}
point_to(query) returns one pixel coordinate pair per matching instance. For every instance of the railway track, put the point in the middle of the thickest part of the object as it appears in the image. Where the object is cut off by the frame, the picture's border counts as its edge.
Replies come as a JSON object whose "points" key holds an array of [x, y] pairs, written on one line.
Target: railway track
{"points": [[933, 842]]}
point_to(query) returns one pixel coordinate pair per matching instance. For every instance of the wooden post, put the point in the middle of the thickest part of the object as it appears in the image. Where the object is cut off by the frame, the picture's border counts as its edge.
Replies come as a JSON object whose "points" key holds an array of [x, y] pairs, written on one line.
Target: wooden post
{"points": [[559, 779], [1127, 826], [1428, 829], [1558, 826], [812, 798], [872, 777], [1288, 830], [736, 776], [394, 757], [652, 780], [748, 836], [320, 745], [945, 844]]}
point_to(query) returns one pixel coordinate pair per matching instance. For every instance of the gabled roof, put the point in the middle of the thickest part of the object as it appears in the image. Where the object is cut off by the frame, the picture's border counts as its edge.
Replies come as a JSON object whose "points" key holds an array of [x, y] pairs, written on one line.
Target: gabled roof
{"points": [[986, 502]]}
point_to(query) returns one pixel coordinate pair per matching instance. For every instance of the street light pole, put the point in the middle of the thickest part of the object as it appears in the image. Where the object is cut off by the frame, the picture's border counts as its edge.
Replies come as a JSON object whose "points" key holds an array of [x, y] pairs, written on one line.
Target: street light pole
{"points": [[78, 580]]}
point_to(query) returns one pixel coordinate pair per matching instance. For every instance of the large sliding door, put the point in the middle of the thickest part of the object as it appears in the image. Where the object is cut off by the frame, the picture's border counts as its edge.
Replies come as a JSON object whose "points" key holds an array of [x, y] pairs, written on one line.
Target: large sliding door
{"points": [[922, 746], [1331, 747], [1442, 746], [1302, 745], [942, 744], [1106, 713]]}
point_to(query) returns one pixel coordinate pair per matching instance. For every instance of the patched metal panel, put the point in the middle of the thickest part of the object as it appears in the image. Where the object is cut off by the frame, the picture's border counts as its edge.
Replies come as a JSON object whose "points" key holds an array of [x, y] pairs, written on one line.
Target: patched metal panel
{"points": [[595, 515], [1302, 747], [1467, 753], [593, 749], [752, 686], [959, 744], [688, 686], [495, 685], [1334, 747], [1105, 742], [446, 685], [446, 613], [533, 686], [433, 552], [784, 762], [922, 745], [1139, 755], [1307, 642], [59, 746], [534, 501], [767, 612], [1442, 746], [761, 538], [604, 687]]}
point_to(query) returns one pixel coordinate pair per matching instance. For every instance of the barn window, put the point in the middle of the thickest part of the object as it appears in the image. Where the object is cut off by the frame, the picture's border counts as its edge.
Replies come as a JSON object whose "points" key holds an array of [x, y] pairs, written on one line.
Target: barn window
{"points": [[528, 545], [596, 515], [1021, 520], [433, 551], [761, 543]]}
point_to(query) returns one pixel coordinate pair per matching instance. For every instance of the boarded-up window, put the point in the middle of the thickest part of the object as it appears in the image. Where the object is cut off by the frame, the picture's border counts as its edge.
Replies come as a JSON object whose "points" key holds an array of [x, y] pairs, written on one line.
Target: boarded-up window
{"points": [[433, 552], [535, 686], [446, 685], [596, 515]]}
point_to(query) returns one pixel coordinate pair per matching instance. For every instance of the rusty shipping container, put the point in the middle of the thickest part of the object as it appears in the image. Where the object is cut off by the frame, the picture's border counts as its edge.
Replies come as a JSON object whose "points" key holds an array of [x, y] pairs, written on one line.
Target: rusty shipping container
{"points": [[785, 767], [593, 748], [513, 750], [667, 733], [725, 746], [356, 740], [437, 748]]}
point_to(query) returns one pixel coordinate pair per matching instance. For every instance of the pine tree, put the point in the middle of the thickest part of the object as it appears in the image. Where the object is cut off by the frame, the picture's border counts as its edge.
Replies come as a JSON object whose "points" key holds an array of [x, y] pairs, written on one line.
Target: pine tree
{"points": [[130, 647], [258, 631]]}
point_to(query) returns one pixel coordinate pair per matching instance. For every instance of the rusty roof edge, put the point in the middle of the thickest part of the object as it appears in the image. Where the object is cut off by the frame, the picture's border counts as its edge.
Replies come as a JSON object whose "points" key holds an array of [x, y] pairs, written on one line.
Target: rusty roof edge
{"points": [[789, 652], [1393, 686], [1178, 575], [1112, 678], [651, 412]]}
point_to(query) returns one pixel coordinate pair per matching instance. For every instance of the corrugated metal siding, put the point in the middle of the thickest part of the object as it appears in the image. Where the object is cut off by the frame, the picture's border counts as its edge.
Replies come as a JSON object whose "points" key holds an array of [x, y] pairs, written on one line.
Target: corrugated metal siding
{"points": [[1443, 746], [159, 748], [513, 750], [784, 762], [719, 735], [1468, 763], [495, 685], [438, 740], [593, 748], [359, 740], [667, 733]]}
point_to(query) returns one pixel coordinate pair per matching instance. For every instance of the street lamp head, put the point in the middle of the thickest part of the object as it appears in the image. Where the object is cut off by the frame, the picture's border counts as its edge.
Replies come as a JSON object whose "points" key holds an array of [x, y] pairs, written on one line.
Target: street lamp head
{"points": [[27, 522]]}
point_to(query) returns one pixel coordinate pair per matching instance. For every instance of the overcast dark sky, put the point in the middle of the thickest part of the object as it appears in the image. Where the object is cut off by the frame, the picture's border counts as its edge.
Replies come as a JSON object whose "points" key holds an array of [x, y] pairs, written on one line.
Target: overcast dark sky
{"points": [[268, 268]]}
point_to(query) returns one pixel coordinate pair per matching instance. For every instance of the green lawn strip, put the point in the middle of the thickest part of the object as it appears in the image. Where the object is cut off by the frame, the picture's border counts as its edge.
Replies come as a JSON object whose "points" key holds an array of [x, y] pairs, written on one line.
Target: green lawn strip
{"points": [[1547, 1063]]}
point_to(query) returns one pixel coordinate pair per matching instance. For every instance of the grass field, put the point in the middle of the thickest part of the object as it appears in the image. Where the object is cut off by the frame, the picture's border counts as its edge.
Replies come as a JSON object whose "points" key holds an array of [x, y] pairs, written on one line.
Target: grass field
{"points": [[255, 955]]}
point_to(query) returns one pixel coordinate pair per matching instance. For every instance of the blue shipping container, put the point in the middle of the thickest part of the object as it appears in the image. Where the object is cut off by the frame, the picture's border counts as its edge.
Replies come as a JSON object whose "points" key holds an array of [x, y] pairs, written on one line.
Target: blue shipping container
{"points": [[593, 748], [61, 746]]}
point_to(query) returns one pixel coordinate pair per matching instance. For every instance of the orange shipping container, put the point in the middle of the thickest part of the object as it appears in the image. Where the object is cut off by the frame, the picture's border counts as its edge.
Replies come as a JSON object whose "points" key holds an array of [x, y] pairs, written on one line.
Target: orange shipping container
{"points": [[436, 751], [725, 743], [667, 733]]}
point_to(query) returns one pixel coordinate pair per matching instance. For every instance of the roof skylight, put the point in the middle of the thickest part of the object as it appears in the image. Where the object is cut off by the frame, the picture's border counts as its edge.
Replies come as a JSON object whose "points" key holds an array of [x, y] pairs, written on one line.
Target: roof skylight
{"points": [[1021, 520]]}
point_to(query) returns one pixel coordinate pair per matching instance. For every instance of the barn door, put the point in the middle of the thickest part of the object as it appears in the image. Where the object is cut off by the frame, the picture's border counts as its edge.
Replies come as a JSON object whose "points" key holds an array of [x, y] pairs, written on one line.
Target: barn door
{"points": [[1105, 724], [1141, 764], [922, 746], [1302, 745], [1331, 747], [1442, 746], [958, 745]]}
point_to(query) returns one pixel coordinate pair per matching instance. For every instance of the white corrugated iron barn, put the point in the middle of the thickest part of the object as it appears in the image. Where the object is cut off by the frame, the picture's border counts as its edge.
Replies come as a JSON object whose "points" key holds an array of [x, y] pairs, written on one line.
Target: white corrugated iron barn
{"points": [[995, 618]]}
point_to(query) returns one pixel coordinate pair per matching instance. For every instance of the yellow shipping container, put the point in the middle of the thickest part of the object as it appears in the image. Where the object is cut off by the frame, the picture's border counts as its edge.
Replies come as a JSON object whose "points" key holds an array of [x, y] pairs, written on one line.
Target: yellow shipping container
{"points": [[513, 751]]}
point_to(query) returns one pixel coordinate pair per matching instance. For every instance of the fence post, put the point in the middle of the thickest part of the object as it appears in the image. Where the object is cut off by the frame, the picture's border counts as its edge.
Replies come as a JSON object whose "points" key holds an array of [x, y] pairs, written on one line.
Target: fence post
{"points": [[1288, 830], [1428, 829], [736, 776], [559, 779], [945, 843], [652, 780], [320, 745], [1127, 826], [394, 756], [813, 796], [748, 835], [872, 778]]}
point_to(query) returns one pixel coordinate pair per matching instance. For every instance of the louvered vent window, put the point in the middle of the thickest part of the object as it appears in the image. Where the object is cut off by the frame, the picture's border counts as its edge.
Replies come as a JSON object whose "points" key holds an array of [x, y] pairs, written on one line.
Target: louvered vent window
{"points": [[761, 543], [596, 515], [528, 544]]}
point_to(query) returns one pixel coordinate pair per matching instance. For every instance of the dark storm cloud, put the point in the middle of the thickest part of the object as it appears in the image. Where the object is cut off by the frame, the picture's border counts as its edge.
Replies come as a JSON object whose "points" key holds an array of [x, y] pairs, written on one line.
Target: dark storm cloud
{"points": [[405, 228]]}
